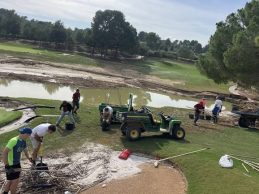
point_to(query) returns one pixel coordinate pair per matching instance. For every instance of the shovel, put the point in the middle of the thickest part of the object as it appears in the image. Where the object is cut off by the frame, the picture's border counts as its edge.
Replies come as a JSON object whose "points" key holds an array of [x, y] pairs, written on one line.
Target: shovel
{"points": [[156, 163], [41, 166]]}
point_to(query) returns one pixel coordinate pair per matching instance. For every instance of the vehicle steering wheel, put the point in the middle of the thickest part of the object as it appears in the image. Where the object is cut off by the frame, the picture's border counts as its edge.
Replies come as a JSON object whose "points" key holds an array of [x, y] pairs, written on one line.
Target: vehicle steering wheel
{"points": [[160, 113], [147, 109]]}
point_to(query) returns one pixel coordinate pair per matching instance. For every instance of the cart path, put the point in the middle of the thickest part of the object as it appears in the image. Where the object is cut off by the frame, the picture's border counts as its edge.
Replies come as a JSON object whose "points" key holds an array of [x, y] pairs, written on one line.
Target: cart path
{"points": [[28, 113], [151, 180]]}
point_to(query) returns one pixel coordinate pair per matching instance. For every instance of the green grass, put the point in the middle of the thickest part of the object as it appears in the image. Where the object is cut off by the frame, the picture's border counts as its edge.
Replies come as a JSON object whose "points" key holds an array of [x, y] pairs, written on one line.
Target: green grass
{"points": [[202, 171], [184, 76], [187, 75], [28, 51], [7, 117]]}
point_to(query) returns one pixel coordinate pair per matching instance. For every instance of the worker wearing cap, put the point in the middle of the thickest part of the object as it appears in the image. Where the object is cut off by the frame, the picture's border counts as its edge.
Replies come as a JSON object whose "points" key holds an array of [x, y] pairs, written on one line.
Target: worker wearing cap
{"points": [[12, 157]]}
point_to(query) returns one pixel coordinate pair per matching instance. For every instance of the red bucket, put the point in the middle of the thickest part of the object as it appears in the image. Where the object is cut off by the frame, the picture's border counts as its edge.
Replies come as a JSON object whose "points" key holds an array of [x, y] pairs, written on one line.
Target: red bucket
{"points": [[125, 154]]}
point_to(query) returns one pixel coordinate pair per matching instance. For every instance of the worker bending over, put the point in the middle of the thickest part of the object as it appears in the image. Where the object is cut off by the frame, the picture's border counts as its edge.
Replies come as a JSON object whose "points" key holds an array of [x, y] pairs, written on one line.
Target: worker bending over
{"points": [[37, 135]]}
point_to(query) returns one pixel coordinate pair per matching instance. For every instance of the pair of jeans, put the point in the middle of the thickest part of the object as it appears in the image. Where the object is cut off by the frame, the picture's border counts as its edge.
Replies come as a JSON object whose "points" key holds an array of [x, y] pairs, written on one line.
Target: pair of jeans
{"points": [[196, 117], [69, 114]]}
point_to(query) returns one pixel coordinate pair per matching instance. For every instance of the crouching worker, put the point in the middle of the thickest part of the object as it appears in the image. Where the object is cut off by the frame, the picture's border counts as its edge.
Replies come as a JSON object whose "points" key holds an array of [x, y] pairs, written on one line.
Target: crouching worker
{"points": [[37, 137], [12, 157], [106, 118]]}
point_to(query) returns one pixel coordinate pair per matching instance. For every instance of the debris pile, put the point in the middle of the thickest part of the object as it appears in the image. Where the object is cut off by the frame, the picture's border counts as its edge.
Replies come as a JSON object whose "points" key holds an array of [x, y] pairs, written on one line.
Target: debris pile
{"points": [[90, 166], [247, 106], [245, 163]]}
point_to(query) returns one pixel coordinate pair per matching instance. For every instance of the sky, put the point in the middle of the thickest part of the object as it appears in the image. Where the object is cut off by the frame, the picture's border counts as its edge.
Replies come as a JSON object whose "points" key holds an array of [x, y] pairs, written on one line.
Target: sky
{"points": [[174, 19]]}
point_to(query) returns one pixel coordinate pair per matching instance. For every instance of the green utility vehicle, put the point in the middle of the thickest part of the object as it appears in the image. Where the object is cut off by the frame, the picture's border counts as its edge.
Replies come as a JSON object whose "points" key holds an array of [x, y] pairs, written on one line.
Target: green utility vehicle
{"points": [[137, 122], [117, 109]]}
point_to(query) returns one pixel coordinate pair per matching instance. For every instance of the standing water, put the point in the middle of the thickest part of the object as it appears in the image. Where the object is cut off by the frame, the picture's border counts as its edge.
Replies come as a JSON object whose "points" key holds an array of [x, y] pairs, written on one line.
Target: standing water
{"points": [[17, 88]]}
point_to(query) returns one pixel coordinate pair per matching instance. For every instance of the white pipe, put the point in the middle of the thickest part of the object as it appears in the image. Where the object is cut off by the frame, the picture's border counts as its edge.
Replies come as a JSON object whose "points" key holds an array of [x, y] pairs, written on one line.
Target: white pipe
{"points": [[182, 154]]}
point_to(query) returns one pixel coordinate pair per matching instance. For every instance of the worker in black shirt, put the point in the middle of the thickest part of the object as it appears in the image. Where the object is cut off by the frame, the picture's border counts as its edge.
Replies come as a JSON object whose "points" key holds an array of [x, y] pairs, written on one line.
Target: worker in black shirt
{"points": [[66, 110]]}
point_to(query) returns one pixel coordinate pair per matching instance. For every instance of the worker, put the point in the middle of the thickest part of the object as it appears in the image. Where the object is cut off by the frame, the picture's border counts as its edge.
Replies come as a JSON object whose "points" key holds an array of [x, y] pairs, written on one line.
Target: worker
{"points": [[107, 112], [203, 101], [66, 110], [217, 109], [12, 157], [76, 100], [106, 117], [199, 109], [37, 135]]}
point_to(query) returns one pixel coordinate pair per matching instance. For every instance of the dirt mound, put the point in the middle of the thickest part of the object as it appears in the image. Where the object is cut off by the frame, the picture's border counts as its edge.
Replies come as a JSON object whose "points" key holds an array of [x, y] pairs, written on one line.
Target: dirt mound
{"points": [[162, 180], [247, 106]]}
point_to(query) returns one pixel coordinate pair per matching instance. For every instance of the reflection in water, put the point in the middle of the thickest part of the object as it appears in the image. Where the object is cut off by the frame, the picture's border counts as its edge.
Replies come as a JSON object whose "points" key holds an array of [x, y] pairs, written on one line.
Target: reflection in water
{"points": [[17, 88], [112, 96], [5, 82], [51, 88], [160, 100], [14, 88]]}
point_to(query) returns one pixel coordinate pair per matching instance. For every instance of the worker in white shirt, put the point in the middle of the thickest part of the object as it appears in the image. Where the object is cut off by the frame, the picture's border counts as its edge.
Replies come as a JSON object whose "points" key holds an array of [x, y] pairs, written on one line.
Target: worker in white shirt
{"points": [[217, 109], [37, 135], [106, 118]]}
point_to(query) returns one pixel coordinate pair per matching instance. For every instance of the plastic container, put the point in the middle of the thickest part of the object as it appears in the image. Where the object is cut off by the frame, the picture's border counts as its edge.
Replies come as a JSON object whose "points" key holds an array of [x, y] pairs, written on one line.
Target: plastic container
{"points": [[125, 154]]}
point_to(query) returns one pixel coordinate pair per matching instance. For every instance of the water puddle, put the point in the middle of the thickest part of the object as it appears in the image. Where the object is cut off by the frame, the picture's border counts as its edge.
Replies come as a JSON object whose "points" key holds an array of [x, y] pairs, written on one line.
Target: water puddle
{"points": [[17, 88]]}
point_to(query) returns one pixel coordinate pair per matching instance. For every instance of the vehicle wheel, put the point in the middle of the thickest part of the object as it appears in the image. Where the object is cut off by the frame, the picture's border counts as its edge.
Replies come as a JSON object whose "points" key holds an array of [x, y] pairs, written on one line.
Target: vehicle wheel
{"points": [[178, 132], [123, 128], [132, 134], [243, 122]]}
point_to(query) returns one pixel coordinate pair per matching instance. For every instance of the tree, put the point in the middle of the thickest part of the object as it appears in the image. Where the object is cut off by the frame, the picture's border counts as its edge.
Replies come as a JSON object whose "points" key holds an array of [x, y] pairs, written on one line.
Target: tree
{"points": [[153, 41], [36, 30], [165, 45], [233, 54], [175, 45], [69, 39], [10, 23], [168, 44], [196, 46], [129, 41], [111, 31], [80, 35], [205, 48], [185, 52], [58, 32], [142, 36]]}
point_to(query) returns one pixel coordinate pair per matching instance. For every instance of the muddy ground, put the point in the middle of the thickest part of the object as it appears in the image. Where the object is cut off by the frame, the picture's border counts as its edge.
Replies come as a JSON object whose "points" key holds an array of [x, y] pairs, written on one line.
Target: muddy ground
{"points": [[147, 181], [97, 169], [95, 77]]}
